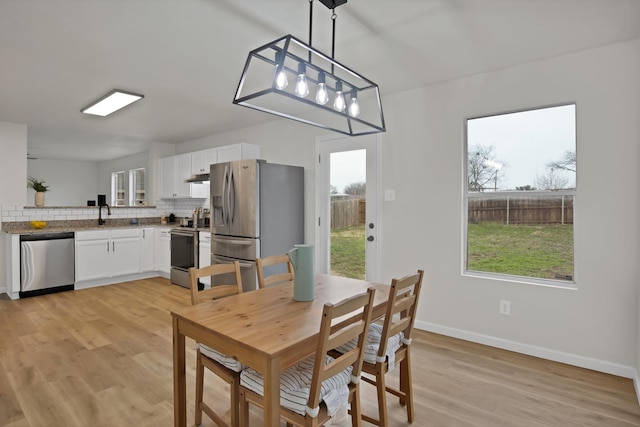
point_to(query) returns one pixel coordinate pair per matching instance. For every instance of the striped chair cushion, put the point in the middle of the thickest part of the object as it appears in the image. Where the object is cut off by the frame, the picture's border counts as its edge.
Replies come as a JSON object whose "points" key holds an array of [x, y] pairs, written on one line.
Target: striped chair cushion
{"points": [[226, 361], [295, 384], [373, 344]]}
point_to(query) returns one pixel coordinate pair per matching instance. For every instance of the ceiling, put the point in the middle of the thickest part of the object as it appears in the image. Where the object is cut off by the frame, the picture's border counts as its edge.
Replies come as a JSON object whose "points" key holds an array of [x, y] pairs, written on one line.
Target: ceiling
{"points": [[186, 56]]}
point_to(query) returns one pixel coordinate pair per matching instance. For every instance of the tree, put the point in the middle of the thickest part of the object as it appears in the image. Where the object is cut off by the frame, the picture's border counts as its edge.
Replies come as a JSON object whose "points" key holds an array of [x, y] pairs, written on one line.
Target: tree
{"points": [[482, 168], [551, 181], [333, 189], [567, 162], [526, 188], [356, 189]]}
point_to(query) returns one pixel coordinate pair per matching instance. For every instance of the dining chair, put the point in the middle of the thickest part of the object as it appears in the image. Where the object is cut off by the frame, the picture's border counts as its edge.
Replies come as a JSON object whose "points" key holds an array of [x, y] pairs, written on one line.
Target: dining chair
{"points": [[270, 263], [389, 344], [313, 390], [223, 366]]}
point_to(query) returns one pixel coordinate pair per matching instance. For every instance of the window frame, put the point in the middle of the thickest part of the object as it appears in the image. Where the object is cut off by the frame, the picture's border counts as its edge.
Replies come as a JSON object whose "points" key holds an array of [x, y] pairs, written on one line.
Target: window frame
{"points": [[114, 188], [530, 280], [133, 181]]}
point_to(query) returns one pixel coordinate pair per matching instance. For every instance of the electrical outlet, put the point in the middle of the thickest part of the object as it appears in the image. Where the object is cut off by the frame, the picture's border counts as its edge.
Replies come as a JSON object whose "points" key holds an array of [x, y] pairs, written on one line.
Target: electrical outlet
{"points": [[505, 307]]}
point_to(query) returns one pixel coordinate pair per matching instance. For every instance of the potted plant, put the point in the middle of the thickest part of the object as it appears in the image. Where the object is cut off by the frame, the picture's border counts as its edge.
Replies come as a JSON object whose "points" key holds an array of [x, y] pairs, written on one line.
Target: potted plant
{"points": [[40, 188]]}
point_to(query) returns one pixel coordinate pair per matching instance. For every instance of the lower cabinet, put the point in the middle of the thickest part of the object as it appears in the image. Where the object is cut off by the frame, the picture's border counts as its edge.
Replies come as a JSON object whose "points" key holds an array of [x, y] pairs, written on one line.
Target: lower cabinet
{"points": [[148, 250], [107, 253], [204, 254], [164, 250]]}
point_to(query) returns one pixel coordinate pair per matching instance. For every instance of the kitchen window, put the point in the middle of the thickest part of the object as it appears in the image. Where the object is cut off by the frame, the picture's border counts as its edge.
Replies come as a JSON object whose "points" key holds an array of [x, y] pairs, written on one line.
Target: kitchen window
{"points": [[519, 195], [137, 191], [117, 189]]}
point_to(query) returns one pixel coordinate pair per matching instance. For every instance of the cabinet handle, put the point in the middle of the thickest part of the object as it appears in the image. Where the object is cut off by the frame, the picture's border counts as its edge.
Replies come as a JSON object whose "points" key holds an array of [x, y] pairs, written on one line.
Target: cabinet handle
{"points": [[113, 246], [107, 246], [143, 234]]}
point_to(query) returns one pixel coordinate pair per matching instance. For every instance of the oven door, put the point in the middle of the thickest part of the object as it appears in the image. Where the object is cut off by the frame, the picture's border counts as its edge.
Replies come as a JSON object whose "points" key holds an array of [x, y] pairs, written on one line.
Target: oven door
{"points": [[247, 273], [184, 255]]}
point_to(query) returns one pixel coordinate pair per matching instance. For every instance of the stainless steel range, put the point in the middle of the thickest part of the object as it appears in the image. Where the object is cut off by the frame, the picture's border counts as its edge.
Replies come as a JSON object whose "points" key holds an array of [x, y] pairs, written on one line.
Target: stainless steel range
{"points": [[184, 254]]}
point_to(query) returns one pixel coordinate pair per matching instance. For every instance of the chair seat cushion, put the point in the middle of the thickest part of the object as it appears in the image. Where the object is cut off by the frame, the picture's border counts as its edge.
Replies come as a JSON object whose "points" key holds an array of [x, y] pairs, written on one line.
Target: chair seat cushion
{"points": [[374, 336], [295, 384], [224, 360]]}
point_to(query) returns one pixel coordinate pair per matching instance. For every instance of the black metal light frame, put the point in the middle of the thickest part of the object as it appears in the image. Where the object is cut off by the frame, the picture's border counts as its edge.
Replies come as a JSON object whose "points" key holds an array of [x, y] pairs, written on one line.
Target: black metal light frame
{"points": [[257, 87]]}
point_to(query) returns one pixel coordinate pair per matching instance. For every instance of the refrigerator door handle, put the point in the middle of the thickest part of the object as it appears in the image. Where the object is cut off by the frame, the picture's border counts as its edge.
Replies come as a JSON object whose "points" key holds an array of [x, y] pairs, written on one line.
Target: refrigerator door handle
{"points": [[221, 260], [233, 241], [225, 197], [232, 197]]}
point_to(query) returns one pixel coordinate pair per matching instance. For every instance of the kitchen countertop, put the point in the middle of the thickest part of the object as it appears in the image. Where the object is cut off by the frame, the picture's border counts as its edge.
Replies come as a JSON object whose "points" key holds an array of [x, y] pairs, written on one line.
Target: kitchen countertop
{"points": [[24, 227]]}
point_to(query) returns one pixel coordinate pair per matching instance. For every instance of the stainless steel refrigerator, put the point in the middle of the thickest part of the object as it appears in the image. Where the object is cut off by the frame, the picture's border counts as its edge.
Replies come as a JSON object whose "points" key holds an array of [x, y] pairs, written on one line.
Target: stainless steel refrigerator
{"points": [[257, 210]]}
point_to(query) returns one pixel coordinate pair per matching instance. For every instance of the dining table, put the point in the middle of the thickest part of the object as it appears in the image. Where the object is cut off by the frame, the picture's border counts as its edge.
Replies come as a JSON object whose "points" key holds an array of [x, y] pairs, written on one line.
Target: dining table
{"points": [[265, 329]]}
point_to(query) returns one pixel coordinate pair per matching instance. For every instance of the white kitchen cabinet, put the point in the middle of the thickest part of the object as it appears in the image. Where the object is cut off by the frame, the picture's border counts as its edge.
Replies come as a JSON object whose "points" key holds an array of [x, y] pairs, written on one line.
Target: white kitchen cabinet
{"points": [[204, 254], [241, 151], [148, 250], [102, 254], [174, 171], [201, 161], [164, 250]]}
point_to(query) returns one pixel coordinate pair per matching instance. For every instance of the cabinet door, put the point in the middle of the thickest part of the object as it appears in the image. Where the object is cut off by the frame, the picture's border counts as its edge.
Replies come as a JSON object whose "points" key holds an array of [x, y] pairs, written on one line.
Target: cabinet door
{"points": [[168, 178], [241, 151], [204, 260], [92, 259], [125, 256], [183, 172], [148, 250], [164, 251]]}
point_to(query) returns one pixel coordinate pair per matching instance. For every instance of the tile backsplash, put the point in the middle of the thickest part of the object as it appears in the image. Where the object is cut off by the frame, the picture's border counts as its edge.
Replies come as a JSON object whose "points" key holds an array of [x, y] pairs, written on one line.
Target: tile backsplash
{"points": [[179, 207]]}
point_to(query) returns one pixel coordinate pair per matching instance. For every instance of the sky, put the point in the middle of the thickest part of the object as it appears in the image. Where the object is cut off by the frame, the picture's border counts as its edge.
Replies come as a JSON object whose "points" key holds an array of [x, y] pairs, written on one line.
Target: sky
{"points": [[525, 142], [348, 167]]}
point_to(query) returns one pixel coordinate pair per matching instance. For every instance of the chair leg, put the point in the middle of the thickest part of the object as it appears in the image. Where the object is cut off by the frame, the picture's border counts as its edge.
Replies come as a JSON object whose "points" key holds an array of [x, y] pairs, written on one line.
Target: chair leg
{"points": [[356, 414], [381, 385], [235, 401], [243, 409], [406, 385], [199, 387]]}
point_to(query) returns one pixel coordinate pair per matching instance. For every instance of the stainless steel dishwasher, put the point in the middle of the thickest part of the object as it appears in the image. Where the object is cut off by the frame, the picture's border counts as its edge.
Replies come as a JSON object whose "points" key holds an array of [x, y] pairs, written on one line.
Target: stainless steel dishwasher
{"points": [[47, 263]]}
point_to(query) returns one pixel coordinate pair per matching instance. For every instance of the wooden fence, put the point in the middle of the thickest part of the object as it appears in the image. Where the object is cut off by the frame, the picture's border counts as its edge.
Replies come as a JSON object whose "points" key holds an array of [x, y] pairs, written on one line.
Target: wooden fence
{"points": [[522, 210], [347, 213]]}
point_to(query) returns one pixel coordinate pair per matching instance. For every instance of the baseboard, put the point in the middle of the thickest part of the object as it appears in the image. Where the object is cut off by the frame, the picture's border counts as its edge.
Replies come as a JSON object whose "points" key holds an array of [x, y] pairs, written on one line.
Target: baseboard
{"points": [[532, 350], [636, 385]]}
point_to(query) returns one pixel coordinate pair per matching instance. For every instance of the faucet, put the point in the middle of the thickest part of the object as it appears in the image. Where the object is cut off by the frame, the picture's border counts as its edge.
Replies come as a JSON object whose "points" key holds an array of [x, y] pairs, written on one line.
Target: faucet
{"points": [[100, 220]]}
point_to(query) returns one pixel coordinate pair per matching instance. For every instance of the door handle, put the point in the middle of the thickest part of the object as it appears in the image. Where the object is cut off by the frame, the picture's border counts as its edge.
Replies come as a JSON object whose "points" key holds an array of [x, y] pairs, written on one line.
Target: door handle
{"points": [[370, 238]]}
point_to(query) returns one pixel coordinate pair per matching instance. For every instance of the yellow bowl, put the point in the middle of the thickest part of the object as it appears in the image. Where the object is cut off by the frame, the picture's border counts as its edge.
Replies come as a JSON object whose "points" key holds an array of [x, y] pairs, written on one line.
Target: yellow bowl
{"points": [[38, 224]]}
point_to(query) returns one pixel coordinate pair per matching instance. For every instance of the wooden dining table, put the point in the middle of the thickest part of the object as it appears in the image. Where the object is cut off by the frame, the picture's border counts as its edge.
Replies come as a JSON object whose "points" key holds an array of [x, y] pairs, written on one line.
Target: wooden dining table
{"points": [[265, 329]]}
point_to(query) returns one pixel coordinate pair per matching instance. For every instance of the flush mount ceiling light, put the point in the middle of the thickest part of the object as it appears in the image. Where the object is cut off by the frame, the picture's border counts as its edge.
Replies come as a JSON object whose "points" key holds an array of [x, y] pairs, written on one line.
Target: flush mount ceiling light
{"points": [[291, 79], [111, 102]]}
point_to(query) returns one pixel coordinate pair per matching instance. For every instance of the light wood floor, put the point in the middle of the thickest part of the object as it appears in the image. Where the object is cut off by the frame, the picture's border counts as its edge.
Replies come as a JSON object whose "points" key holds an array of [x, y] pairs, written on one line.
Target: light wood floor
{"points": [[102, 357]]}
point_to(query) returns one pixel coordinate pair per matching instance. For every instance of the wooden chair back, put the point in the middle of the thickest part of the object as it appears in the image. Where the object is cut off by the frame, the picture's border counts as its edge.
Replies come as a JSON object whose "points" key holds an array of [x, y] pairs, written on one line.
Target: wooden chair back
{"points": [[401, 308], [233, 287], [354, 315], [276, 278]]}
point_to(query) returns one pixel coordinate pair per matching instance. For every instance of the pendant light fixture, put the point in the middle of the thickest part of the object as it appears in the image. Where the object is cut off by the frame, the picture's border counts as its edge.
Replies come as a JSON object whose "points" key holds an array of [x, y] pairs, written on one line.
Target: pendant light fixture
{"points": [[344, 101]]}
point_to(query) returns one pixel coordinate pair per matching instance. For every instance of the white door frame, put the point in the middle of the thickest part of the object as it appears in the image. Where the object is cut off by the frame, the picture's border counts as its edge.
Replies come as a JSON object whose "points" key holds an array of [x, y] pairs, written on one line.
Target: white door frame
{"points": [[325, 145]]}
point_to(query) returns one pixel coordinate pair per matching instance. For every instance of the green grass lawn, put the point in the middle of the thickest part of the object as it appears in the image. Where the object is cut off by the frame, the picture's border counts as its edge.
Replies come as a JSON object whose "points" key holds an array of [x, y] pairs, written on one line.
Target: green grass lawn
{"points": [[347, 252], [543, 251]]}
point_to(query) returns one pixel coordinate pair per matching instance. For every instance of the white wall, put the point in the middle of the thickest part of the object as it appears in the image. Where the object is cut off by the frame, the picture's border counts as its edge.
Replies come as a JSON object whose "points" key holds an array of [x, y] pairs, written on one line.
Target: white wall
{"points": [[71, 183], [13, 175], [594, 326]]}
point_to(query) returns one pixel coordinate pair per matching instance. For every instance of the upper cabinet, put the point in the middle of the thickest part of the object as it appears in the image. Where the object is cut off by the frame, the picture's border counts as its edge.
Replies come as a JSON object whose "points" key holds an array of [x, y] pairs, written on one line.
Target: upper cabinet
{"points": [[242, 151], [201, 160], [175, 170]]}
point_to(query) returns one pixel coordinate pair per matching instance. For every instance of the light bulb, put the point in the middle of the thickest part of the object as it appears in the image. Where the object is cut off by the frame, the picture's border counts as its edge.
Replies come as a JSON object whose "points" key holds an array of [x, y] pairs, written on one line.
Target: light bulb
{"points": [[354, 107], [339, 103], [281, 78], [322, 95], [302, 87]]}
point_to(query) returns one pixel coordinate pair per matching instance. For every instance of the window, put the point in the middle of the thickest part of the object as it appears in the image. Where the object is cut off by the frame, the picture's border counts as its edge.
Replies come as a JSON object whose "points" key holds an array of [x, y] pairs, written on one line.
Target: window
{"points": [[137, 192], [117, 189], [519, 195]]}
